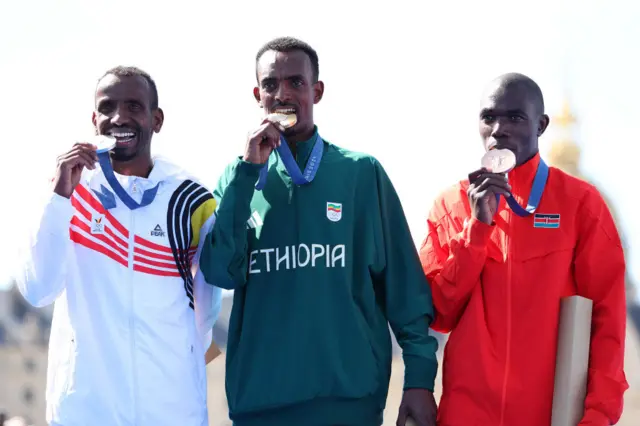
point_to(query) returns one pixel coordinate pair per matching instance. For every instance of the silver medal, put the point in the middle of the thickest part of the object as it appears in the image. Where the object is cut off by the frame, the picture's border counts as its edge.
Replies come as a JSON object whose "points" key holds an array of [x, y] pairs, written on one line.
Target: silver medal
{"points": [[104, 143]]}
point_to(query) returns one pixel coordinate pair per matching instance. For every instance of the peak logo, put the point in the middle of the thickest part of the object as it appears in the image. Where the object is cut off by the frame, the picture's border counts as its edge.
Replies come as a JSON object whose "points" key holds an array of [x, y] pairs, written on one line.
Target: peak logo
{"points": [[157, 231]]}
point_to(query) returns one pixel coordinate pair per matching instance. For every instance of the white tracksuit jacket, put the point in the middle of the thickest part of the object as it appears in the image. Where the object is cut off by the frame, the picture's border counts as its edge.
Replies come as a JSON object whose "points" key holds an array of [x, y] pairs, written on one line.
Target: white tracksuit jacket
{"points": [[133, 314]]}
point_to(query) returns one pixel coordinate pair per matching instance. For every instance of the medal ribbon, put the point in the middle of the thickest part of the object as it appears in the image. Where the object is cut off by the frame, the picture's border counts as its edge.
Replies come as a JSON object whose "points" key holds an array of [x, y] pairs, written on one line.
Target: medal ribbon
{"points": [[147, 197], [298, 177], [537, 189]]}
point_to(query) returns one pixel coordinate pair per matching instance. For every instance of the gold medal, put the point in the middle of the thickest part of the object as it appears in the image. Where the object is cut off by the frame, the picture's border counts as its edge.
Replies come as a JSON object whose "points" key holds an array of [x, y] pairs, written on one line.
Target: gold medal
{"points": [[285, 120]]}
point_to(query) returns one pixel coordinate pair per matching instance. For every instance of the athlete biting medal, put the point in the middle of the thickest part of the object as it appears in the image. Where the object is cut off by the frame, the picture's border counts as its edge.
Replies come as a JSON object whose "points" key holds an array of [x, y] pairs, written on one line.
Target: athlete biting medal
{"points": [[287, 120], [502, 161]]}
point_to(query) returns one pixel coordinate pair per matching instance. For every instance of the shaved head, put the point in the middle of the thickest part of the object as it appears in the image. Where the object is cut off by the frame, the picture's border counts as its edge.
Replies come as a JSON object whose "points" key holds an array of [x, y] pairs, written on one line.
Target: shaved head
{"points": [[512, 115], [519, 83]]}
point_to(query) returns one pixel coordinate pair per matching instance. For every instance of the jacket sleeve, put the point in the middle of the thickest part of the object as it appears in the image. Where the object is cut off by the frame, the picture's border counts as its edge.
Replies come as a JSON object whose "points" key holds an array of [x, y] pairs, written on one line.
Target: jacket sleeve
{"points": [[401, 288], [600, 276], [224, 258], [207, 297], [43, 262], [452, 257]]}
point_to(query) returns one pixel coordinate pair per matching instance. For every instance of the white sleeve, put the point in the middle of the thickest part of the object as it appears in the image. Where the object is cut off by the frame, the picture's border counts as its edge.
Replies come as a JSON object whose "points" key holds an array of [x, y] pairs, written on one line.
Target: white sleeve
{"points": [[43, 263], [208, 298]]}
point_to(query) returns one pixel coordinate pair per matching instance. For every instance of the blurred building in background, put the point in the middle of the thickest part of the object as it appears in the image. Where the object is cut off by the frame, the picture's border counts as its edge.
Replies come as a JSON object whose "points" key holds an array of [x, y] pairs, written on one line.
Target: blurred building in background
{"points": [[24, 338], [565, 154]]}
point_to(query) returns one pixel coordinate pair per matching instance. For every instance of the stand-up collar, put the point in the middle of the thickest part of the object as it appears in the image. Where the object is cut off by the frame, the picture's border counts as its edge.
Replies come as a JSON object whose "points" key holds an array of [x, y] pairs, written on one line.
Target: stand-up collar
{"points": [[521, 178]]}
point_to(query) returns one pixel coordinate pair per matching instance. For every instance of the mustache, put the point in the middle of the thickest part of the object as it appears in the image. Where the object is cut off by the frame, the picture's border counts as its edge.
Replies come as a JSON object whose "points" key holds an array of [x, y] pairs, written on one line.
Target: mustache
{"points": [[280, 105], [130, 126]]}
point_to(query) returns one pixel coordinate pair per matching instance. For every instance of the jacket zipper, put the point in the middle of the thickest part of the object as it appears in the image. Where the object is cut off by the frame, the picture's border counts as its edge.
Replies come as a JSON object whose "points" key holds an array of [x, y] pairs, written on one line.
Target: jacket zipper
{"points": [[131, 314], [507, 259]]}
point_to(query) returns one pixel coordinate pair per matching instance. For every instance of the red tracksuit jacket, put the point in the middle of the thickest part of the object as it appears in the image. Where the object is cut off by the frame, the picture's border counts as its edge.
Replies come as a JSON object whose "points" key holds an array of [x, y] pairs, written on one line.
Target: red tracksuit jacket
{"points": [[497, 289]]}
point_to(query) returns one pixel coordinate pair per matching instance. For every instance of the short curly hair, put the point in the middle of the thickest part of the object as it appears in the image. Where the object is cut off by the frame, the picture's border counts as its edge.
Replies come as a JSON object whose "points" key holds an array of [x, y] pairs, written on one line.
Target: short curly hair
{"points": [[129, 71], [288, 44]]}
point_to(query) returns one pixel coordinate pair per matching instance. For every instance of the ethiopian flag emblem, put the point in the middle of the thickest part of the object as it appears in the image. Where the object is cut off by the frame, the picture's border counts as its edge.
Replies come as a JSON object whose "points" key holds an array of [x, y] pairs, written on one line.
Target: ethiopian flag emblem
{"points": [[334, 211]]}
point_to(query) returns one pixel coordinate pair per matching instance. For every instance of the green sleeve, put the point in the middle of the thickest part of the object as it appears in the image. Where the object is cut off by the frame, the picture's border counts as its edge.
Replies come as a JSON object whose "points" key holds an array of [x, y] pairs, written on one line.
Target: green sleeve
{"points": [[401, 286], [225, 251]]}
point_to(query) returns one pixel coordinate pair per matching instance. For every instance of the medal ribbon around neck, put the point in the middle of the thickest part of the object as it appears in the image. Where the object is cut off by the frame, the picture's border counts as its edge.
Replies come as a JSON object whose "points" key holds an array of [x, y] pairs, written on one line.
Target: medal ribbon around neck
{"points": [[539, 182], [298, 177], [504, 160], [105, 144]]}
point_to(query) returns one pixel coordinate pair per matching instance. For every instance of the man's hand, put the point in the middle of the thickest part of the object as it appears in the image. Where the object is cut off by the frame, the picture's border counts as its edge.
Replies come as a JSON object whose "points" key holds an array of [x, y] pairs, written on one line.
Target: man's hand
{"points": [[70, 166], [483, 188], [262, 141], [420, 406], [212, 353]]}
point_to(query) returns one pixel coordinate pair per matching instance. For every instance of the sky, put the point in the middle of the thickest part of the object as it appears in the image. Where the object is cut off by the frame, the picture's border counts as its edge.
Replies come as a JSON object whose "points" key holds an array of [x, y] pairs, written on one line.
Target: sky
{"points": [[402, 82]]}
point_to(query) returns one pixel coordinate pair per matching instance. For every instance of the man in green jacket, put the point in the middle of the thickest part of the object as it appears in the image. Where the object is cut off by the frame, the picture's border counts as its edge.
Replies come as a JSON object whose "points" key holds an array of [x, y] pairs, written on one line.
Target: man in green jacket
{"points": [[314, 241]]}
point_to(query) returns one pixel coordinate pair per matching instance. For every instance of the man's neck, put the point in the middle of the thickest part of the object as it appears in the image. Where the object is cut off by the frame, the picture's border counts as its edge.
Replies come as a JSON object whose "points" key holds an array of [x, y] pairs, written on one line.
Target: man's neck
{"points": [[136, 167], [528, 158], [293, 140]]}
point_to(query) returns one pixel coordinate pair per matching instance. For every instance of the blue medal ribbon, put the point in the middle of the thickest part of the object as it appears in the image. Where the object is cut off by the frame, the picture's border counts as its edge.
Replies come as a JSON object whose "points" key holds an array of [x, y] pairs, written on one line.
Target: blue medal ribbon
{"points": [[298, 177], [537, 189], [147, 196]]}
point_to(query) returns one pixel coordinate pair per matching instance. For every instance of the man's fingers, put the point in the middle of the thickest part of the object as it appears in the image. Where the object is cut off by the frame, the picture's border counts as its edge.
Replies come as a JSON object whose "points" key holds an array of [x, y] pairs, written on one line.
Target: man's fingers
{"points": [[491, 192], [89, 160], [421, 421], [79, 148], [275, 124], [495, 176], [481, 175], [402, 415], [267, 131], [493, 181], [85, 157], [91, 150], [77, 158], [267, 124], [84, 161], [273, 136]]}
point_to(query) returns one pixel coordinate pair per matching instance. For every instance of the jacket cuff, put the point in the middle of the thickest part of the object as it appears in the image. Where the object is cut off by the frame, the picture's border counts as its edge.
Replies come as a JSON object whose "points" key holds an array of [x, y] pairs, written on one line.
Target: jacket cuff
{"points": [[419, 373], [57, 215], [477, 233], [594, 417], [249, 169], [244, 177]]}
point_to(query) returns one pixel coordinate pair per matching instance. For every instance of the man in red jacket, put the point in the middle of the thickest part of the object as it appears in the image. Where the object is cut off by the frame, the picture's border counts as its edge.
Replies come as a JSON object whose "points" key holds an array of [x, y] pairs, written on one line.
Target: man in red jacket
{"points": [[498, 271]]}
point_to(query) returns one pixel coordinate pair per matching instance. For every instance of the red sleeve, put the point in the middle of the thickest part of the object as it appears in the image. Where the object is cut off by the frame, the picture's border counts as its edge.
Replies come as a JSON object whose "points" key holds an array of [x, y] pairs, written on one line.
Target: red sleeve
{"points": [[452, 260], [600, 276]]}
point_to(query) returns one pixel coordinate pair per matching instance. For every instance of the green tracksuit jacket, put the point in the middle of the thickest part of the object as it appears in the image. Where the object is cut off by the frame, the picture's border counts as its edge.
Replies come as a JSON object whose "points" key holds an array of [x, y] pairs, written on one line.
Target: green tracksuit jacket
{"points": [[319, 272]]}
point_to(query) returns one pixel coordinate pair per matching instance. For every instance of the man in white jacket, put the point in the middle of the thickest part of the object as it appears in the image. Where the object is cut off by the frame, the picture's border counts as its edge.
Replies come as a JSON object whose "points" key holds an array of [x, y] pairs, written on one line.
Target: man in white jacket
{"points": [[116, 249]]}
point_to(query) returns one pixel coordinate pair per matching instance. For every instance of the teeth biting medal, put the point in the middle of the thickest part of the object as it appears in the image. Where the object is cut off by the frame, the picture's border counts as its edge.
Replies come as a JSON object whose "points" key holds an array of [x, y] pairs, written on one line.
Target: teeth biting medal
{"points": [[104, 143], [503, 161], [285, 120], [298, 176]]}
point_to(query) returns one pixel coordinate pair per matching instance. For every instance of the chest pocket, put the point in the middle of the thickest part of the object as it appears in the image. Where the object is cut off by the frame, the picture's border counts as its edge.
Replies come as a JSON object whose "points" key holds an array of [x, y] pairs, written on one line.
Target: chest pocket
{"points": [[540, 236], [158, 246], [525, 239]]}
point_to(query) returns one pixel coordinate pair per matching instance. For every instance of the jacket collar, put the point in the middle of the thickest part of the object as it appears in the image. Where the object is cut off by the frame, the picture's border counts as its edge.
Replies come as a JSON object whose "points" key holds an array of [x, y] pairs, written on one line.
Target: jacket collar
{"points": [[521, 178]]}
